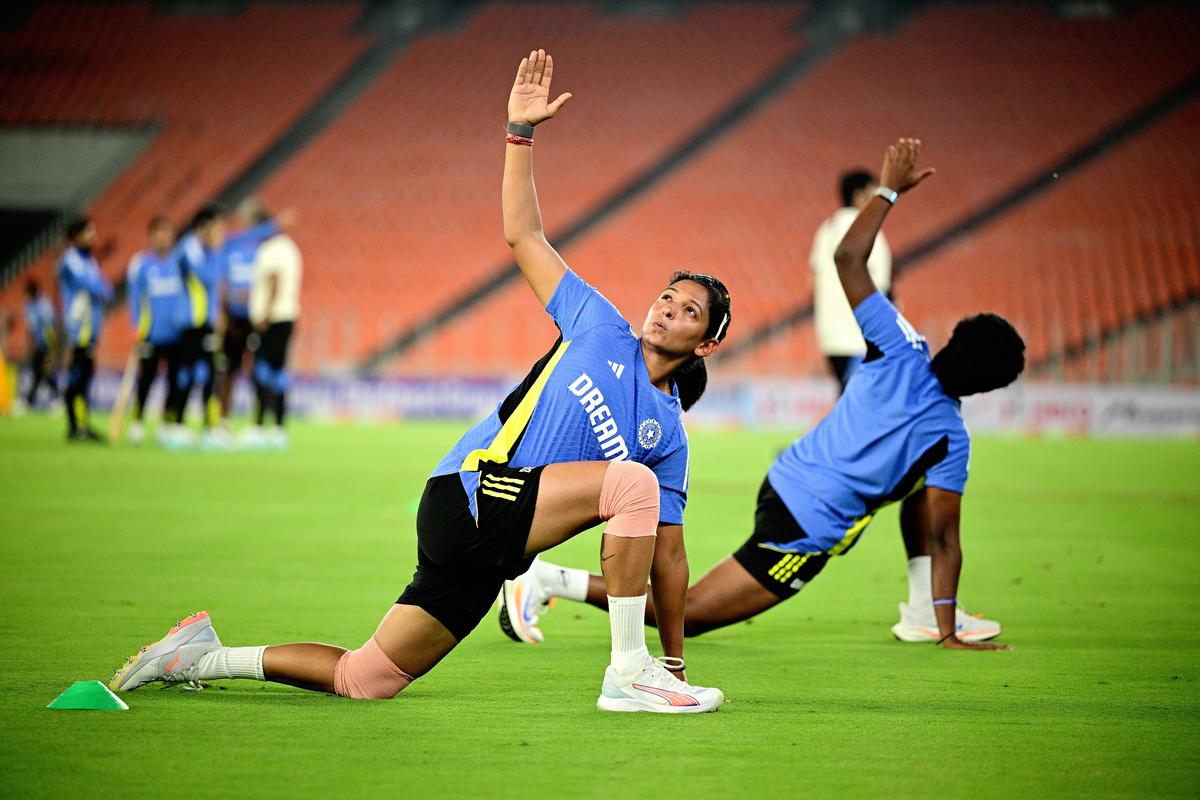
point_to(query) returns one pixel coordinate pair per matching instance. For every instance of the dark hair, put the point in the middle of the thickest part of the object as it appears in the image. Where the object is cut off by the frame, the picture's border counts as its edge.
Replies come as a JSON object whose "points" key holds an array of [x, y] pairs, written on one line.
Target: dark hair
{"points": [[206, 215], [985, 352], [31, 288], [854, 181], [158, 221], [692, 378], [77, 226]]}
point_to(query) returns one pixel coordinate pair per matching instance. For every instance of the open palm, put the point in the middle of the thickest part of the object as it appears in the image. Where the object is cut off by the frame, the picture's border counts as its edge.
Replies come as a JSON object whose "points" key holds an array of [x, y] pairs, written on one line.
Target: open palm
{"points": [[529, 103]]}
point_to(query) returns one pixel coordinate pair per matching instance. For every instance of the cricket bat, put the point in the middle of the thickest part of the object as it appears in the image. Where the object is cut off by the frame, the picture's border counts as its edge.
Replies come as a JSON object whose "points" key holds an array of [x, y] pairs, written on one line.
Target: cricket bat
{"points": [[117, 421]]}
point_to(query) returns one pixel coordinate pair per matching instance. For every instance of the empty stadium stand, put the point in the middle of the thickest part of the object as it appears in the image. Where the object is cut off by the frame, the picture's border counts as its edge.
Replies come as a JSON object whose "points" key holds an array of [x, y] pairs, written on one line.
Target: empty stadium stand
{"points": [[219, 88], [747, 208]]}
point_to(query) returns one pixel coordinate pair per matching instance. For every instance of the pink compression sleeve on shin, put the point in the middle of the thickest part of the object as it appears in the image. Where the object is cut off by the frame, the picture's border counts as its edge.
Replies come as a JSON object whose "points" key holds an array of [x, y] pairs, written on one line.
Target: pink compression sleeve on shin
{"points": [[629, 500], [368, 674]]}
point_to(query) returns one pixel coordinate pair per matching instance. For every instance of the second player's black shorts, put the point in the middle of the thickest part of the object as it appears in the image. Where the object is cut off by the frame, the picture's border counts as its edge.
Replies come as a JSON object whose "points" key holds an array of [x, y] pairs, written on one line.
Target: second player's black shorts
{"points": [[463, 561], [233, 346], [783, 574]]}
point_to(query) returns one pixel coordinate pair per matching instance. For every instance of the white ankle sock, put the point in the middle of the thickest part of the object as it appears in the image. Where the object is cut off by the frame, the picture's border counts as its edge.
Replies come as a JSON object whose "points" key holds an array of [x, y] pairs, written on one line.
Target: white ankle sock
{"points": [[920, 586], [562, 581], [627, 620], [232, 662]]}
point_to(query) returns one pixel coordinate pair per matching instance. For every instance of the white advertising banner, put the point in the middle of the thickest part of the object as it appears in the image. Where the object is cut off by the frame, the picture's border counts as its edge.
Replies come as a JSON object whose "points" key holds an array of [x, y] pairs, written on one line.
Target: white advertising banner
{"points": [[1037, 408]]}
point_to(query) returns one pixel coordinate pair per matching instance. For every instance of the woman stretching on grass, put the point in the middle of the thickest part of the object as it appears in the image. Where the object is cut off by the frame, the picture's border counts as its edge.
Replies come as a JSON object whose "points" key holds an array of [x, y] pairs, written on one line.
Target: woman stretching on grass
{"points": [[574, 444]]}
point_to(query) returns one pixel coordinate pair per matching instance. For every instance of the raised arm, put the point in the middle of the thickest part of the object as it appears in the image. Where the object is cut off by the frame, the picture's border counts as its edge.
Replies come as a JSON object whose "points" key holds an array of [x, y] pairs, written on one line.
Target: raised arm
{"points": [[528, 105], [899, 174], [938, 512]]}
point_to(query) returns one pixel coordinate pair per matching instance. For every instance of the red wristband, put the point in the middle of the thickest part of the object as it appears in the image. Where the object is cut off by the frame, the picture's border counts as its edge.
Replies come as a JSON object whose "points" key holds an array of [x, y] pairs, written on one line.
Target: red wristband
{"points": [[512, 138]]}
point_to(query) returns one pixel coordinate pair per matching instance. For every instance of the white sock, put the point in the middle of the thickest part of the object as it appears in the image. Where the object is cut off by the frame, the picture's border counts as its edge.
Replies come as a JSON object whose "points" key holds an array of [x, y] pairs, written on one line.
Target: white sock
{"points": [[920, 582], [627, 620], [232, 662], [562, 581]]}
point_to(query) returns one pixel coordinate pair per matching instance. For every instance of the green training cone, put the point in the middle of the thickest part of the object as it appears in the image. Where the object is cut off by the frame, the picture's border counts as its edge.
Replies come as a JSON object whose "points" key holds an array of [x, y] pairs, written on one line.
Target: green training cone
{"points": [[88, 696]]}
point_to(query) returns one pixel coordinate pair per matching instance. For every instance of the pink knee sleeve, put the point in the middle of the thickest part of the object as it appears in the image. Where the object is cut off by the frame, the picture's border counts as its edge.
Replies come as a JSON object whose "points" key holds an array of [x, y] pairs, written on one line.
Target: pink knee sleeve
{"points": [[368, 674], [629, 500]]}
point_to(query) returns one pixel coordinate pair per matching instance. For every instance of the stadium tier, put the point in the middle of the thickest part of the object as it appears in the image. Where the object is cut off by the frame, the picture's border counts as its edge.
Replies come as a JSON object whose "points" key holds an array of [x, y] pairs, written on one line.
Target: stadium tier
{"points": [[400, 198], [219, 88], [746, 209], [1112, 242]]}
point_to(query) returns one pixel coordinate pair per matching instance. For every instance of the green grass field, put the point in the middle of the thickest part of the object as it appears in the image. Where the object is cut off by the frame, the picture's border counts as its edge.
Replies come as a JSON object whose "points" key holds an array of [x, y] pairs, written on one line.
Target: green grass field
{"points": [[1088, 552]]}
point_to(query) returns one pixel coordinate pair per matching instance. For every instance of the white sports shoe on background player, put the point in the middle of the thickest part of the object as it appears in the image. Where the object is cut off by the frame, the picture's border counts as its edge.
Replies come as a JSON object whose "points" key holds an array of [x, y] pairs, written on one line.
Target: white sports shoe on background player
{"points": [[920, 625], [172, 659], [653, 688], [137, 434], [523, 601]]}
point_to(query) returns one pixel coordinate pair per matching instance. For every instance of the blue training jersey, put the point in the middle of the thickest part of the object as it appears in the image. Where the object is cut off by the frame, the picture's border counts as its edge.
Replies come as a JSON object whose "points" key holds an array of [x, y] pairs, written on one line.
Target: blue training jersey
{"points": [[892, 432], [158, 301], [589, 399], [39, 321], [84, 292], [237, 265], [201, 269]]}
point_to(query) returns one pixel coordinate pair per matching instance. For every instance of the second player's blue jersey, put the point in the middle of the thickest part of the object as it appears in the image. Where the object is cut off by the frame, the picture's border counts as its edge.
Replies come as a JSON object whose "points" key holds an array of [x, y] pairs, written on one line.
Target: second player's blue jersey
{"points": [[589, 399], [892, 432], [237, 265], [83, 292], [39, 320], [158, 301], [201, 269]]}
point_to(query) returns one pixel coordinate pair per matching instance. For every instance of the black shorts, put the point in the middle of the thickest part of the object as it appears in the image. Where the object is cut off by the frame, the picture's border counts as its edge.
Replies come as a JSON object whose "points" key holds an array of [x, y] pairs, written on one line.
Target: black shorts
{"points": [[273, 344], [783, 574], [198, 343], [462, 562], [233, 348]]}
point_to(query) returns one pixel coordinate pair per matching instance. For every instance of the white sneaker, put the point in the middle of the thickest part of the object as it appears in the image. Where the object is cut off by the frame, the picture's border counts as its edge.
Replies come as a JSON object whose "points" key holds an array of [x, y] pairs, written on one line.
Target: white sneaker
{"points": [[175, 437], [172, 659], [652, 688], [253, 438], [216, 439], [523, 601], [137, 434], [278, 438], [921, 625]]}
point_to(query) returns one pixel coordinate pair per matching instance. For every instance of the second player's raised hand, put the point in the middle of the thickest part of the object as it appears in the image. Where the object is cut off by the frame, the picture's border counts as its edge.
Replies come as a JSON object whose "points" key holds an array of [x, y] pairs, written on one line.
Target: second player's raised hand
{"points": [[529, 102], [900, 171]]}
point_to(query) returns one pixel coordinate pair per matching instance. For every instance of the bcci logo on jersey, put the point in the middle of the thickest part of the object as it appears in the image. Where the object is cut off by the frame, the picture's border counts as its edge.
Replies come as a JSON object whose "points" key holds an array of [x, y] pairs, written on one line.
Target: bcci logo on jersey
{"points": [[649, 432]]}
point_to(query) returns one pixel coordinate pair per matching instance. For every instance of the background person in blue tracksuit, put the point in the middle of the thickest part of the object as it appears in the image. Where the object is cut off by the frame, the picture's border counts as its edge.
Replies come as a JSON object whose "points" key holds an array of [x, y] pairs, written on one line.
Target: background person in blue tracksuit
{"points": [[158, 306], [237, 279], [198, 254], [39, 322], [84, 294]]}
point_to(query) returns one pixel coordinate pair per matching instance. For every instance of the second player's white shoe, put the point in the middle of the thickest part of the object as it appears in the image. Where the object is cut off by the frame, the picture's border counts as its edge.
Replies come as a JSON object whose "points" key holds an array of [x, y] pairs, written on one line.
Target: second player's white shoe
{"points": [[920, 625], [523, 601], [172, 659], [654, 689], [137, 434]]}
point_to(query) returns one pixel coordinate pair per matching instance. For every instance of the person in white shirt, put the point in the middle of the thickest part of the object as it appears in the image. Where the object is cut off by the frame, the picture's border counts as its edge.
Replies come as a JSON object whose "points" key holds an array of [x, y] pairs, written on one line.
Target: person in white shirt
{"points": [[274, 308], [838, 334]]}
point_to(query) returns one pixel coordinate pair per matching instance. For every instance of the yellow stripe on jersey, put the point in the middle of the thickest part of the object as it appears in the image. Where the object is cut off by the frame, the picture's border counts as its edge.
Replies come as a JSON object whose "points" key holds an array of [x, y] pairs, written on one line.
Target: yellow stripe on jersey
{"points": [[501, 495], [492, 483], [500, 450], [143, 328], [199, 297], [859, 526]]}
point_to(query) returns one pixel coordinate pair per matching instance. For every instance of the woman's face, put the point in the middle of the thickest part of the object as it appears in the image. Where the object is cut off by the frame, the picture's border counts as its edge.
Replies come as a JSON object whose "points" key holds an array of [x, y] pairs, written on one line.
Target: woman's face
{"points": [[678, 320]]}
